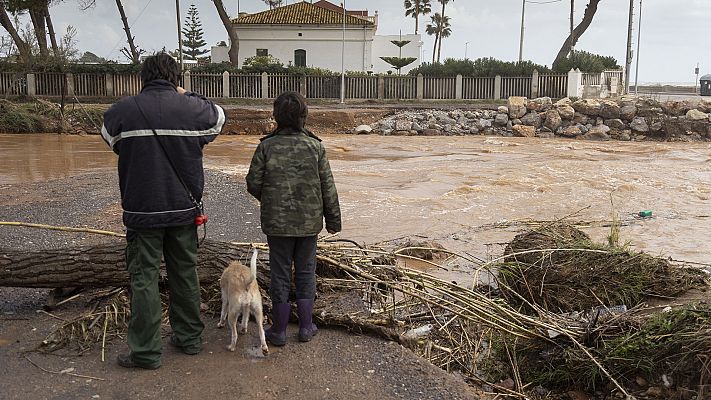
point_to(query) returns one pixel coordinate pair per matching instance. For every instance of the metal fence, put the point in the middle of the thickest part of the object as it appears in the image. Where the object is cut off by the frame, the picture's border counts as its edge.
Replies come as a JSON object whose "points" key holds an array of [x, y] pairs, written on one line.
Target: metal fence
{"points": [[515, 86], [13, 83], [554, 86], [478, 88], [263, 86]]}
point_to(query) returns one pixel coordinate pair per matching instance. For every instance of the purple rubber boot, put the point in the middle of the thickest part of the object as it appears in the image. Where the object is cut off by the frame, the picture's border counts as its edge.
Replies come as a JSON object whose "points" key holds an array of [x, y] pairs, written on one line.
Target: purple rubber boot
{"points": [[307, 329], [276, 334]]}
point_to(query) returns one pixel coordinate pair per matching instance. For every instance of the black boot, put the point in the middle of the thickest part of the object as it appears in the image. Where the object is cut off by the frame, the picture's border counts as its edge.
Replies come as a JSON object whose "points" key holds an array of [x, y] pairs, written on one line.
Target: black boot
{"points": [[307, 329], [276, 334]]}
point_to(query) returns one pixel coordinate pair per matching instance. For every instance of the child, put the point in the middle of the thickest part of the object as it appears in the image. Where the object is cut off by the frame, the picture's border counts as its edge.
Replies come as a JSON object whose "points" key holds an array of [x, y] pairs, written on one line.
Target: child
{"points": [[292, 179]]}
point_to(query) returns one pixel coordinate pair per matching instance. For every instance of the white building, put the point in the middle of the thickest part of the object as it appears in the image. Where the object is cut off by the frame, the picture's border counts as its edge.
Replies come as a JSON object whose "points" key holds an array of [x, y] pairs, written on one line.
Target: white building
{"points": [[315, 35]]}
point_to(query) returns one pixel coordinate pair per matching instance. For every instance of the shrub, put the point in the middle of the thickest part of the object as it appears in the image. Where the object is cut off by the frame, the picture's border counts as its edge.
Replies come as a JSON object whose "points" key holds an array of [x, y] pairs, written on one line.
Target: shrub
{"points": [[481, 67], [586, 62]]}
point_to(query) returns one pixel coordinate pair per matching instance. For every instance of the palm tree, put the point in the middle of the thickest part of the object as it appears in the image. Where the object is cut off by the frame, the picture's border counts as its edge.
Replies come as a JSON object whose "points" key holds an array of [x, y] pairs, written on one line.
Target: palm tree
{"points": [[417, 8], [440, 27], [449, 30]]}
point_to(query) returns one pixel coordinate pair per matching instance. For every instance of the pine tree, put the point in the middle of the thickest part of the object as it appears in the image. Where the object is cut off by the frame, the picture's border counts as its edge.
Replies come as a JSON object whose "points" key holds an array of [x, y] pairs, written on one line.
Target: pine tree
{"points": [[192, 31]]}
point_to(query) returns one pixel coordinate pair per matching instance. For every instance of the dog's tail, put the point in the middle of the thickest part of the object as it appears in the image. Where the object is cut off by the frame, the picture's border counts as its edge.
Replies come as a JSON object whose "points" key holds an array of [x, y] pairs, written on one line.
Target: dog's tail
{"points": [[253, 264]]}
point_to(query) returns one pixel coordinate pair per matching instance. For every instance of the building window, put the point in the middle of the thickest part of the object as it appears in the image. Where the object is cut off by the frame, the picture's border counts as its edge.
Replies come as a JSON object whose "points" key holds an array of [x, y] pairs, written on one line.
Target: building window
{"points": [[262, 52], [300, 58]]}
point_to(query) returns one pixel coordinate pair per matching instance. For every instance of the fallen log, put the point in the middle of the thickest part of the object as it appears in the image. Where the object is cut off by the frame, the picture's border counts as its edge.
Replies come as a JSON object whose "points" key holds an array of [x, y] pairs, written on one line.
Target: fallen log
{"points": [[105, 266]]}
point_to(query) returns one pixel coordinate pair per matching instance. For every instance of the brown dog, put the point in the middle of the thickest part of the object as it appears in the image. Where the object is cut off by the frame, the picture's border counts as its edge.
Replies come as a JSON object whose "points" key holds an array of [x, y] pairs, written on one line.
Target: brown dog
{"points": [[240, 295]]}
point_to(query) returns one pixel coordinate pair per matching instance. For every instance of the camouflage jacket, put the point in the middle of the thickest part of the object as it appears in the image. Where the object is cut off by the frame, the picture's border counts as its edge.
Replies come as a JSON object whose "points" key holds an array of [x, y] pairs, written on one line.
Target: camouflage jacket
{"points": [[290, 176]]}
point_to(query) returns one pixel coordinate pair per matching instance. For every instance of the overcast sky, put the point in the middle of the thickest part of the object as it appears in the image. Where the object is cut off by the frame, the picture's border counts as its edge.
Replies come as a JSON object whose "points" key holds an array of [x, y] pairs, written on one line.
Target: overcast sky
{"points": [[674, 32]]}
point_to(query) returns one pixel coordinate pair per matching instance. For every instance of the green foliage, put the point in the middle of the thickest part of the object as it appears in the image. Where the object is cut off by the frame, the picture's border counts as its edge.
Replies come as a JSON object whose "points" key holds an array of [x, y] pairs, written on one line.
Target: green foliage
{"points": [[399, 62], [259, 64], [19, 122], [481, 67], [193, 42], [400, 43], [586, 62]]}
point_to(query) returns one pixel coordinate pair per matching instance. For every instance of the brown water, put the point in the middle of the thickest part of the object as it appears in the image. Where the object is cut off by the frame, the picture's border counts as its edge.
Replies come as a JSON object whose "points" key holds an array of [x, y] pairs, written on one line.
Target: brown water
{"points": [[469, 193]]}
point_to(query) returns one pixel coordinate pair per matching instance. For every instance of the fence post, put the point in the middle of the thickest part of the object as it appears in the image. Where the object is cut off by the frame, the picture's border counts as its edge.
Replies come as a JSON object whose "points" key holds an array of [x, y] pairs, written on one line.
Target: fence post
{"points": [[381, 87], [497, 87], [109, 84], [265, 85], [575, 78], [31, 85], [534, 84], [420, 87], [69, 82], [459, 87], [225, 84], [614, 85], [187, 82], [302, 85]]}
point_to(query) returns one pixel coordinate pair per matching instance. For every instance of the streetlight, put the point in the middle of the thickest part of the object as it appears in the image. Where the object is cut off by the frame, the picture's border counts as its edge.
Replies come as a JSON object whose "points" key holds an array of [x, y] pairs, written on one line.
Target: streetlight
{"points": [[466, 47], [520, 43], [639, 36], [180, 36]]}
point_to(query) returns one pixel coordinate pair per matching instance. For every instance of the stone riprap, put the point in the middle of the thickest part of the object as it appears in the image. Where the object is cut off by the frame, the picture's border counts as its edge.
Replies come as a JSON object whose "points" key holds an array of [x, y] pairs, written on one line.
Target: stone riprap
{"points": [[625, 118]]}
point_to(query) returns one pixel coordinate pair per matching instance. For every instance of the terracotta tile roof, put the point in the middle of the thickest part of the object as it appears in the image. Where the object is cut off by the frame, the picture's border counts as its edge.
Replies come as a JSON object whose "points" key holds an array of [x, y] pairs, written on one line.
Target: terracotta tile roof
{"points": [[338, 8], [299, 14]]}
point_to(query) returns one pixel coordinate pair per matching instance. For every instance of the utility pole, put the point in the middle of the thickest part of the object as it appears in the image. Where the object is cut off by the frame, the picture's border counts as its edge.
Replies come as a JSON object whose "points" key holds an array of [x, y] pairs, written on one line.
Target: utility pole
{"points": [[180, 36], [639, 40], [628, 58], [343, 57], [520, 44], [572, 27]]}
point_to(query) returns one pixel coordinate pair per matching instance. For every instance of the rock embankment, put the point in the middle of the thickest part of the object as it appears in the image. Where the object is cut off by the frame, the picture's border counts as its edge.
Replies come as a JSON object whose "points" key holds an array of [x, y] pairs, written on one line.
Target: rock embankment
{"points": [[626, 118]]}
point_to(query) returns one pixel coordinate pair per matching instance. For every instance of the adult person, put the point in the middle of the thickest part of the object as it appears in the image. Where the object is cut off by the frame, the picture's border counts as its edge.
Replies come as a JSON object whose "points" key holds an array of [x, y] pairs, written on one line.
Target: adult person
{"points": [[159, 137]]}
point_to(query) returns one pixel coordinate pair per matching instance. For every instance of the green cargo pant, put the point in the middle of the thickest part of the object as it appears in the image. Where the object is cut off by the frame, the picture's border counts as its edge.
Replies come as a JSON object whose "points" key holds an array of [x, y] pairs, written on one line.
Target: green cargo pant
{"points": [[144, 249]]}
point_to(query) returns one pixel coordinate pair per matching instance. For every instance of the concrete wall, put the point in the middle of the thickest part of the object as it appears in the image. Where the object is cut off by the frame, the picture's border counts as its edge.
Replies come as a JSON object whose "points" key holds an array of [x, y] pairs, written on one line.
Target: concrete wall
{"points": [[383, 47]]}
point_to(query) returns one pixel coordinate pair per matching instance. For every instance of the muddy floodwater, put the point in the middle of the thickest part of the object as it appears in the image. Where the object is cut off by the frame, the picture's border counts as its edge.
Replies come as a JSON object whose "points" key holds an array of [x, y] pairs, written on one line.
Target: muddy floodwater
{"points": [[469, 193]]}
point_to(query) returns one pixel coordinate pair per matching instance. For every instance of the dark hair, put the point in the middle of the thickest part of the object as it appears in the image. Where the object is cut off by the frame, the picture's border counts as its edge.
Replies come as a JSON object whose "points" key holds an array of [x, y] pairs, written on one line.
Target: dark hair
{"points": [[290, 110], [160, 66]]}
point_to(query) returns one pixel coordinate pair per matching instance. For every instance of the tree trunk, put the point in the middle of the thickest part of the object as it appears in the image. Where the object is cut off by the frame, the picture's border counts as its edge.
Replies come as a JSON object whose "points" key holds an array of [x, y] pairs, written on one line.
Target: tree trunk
{"points": [[133, 52], [434, 50], [39, 24], [105, 266], [439, 37], [417, 23], [572, 39], [231, 32], [22, 47], [52, 34]]}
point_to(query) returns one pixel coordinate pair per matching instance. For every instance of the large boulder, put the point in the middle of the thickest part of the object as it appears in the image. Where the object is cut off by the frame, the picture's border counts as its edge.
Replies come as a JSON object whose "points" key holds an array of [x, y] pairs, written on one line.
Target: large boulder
{"points": [[553, 120], [589, 107], [540, 104], [599, 132], [563, 102], [523, 131], [616, 124], [696, 115], [501, 119], [517, 107], [628, 112], [571, 131], [363, 129], [639, 124], [609, 109], [566, 112], [532, 119]]}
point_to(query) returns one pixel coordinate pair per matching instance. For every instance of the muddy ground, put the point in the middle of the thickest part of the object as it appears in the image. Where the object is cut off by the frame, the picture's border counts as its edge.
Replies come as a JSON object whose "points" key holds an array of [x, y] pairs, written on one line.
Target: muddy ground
{"points": [[335, 365]]}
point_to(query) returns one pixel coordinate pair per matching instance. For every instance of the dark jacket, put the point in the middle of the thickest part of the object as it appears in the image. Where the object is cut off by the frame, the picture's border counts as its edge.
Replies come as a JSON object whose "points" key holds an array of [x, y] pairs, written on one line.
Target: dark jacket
{"points": [[151, 194], [292, 179]]}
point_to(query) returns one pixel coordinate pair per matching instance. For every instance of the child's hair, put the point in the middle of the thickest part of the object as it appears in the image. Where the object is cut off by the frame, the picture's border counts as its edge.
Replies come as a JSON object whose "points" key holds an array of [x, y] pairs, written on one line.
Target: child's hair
{"points": [[160, 66], [290, 110]]}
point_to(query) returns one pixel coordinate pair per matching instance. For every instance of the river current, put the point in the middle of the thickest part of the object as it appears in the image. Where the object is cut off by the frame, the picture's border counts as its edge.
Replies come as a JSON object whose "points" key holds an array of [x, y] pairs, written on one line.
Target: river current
{"points": [[471, 193]]}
